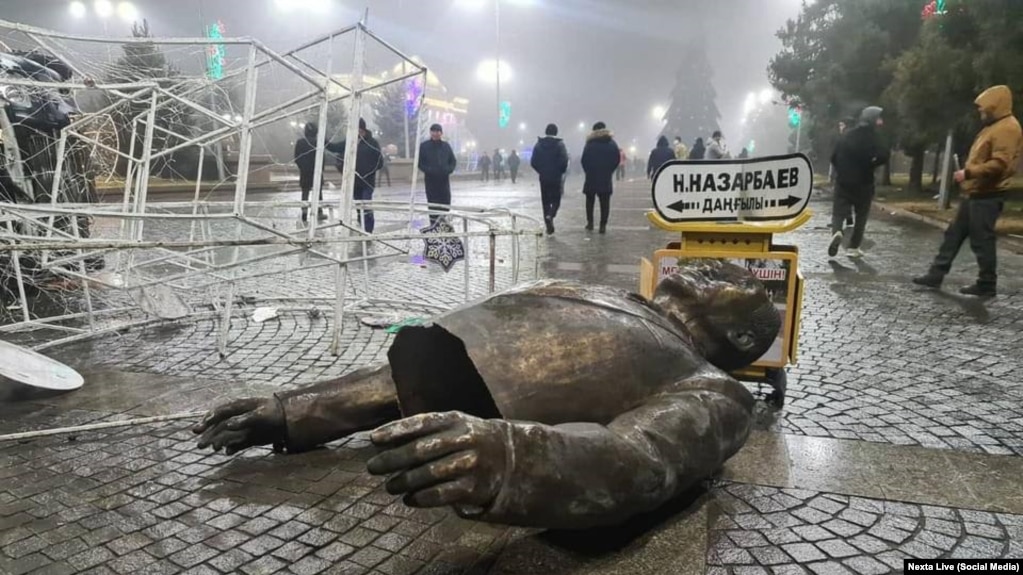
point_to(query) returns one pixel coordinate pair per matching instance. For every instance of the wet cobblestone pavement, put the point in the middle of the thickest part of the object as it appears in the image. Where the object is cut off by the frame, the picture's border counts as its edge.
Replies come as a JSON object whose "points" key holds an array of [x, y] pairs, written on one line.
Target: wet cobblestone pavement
{"points": [[880, 362]]}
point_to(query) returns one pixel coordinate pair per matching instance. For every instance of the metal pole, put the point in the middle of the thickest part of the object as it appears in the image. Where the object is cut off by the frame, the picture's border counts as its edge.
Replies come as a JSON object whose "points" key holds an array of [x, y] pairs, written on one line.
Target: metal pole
{"points": [[465, 262], [97, 426], [799, 134], [497, 66], [493, 261], [321, 146], [245, 144], [404, 116], [348, 178], [946, 167]]}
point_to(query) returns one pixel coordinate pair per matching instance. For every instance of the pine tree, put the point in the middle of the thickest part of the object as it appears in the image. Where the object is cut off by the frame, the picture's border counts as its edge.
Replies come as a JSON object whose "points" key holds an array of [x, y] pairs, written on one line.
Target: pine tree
{"points": [[693, 112], [389, 112]]}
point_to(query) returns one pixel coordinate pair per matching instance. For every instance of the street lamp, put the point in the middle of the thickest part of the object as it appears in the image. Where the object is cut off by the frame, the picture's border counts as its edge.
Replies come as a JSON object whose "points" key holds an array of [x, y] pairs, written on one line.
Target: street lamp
{"points": [[126, 11], [522, 127], [104, 8], [582, 126], [658, 113], [498, 69], [78, 9]]}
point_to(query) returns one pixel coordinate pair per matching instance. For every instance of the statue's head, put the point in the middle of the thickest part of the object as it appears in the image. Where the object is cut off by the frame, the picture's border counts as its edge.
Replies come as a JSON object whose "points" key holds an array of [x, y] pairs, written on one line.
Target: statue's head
{"points": [[726, 309]]}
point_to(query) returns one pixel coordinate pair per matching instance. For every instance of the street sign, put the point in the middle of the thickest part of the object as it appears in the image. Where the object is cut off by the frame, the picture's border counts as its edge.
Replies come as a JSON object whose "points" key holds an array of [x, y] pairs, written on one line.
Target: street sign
{"points": [[756, 189]]}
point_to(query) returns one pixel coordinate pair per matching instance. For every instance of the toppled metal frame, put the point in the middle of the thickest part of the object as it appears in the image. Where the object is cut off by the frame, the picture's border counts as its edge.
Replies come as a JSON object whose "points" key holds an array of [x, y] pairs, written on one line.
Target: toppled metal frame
{"points": [[63, 249]]}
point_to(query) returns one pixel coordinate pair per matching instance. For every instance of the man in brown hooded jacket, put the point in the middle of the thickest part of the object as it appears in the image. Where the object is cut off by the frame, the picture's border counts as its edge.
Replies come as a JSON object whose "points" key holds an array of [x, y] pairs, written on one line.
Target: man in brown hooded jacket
{"points": [[993, 160]]}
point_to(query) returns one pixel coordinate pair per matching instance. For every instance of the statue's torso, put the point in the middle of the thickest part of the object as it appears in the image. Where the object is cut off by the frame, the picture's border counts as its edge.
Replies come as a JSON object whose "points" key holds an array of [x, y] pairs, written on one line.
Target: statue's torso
{"points": [[555, 351]]}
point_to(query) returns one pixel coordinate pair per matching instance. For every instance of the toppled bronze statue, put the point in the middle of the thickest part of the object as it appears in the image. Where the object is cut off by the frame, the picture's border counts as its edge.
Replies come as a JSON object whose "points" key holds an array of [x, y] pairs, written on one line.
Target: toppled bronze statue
{"points": [[553, 404]]}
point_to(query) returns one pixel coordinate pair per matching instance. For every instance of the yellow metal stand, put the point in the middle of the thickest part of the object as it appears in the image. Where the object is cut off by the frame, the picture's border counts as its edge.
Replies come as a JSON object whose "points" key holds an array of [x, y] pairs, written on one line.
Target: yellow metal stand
{"points": [[749, 244]]}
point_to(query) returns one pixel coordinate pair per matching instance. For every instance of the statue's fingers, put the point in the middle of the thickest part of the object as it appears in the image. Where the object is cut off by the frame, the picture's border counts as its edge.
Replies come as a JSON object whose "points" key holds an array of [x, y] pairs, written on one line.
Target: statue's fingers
{"points": [[418, 452], [410, 428], [229, 438], [443, 470], [209, 437], [442, 495], [222, 412]]}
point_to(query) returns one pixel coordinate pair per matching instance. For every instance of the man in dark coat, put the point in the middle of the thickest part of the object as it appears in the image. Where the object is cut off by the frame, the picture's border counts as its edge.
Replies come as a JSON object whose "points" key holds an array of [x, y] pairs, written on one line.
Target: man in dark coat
{"points": [[600, 160], [659, 156], [699, 151], [485, 167], [498, 165], [437, 162], [513, 165], [305, 159], [858, 153], [550, 161], [368, 161]]}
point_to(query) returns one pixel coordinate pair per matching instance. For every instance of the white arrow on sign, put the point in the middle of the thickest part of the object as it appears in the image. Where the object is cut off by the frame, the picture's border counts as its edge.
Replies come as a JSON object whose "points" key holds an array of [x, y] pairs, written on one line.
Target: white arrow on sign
{"points": [[768, 188]]}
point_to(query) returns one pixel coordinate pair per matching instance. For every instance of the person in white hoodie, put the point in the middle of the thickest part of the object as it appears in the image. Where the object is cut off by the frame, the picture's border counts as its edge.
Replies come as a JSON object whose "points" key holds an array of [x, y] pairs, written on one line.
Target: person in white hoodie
{"points": [[717, 149]]}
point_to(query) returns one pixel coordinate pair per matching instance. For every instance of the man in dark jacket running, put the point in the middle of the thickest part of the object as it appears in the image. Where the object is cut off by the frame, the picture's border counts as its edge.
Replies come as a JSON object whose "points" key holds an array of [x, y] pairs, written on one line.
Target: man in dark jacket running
{"points": [[437, 162], [550, 161], [305, 159], [600, 160], [659, 156], [368, 161], [859, 152]]}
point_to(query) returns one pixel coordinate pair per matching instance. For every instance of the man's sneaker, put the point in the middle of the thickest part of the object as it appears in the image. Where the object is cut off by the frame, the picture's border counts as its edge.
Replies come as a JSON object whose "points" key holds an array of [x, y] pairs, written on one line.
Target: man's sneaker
{"points": [[589, 227], [929, 281], [550, 226], [836, 242], [979, 290], [855, 253]]}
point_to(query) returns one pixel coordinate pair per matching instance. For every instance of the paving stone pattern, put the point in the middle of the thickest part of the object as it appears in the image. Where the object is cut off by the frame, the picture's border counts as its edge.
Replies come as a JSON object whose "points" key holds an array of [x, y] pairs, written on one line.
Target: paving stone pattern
{"points": [[145, 501], [792, 531]]}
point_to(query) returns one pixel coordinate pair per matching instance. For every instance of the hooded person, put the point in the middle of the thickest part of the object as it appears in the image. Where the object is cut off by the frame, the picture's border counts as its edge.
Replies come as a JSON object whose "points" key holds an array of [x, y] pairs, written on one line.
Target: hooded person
{"points": [[514, 161], [681, 151], [857, 155], [992, 162], [368, 161], [437, 162], [600, 160], [550, 162], [717, 149], [305, 159], [660, 155], [699, 151]]}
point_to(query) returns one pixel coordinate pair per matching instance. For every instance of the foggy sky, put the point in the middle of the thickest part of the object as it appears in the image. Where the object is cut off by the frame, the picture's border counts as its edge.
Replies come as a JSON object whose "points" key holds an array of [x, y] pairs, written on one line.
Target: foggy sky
{"points": [[573, 60]]}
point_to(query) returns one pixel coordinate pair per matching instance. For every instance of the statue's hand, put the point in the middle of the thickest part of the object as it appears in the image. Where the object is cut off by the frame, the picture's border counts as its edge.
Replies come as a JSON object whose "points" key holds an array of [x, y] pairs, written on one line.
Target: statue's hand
{"points": [[442, 459], [242, 423]]}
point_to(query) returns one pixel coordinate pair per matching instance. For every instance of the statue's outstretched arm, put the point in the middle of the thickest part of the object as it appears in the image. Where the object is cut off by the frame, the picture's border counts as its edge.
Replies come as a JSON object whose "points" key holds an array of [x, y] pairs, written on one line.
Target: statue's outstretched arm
{"points": [[566, 476], [301, 419]]}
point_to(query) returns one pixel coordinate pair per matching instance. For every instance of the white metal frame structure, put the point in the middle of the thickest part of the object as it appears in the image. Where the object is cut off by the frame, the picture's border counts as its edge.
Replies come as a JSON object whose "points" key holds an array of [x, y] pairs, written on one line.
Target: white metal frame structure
{"points": [[225, 243]]}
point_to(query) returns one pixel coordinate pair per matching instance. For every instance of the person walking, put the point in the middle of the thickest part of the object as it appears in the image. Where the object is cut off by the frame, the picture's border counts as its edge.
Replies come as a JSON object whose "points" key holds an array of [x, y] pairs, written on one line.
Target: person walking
{"points": [[498, 165], [305, 159], [368, 161], [681, 151], [699, 151], [659, 156], [993, 160], [601, 158], [385, 170], [485, 167], [623, 160], [437, 162], [717, 149], [550, 161], [513, 165], [858, 153]]}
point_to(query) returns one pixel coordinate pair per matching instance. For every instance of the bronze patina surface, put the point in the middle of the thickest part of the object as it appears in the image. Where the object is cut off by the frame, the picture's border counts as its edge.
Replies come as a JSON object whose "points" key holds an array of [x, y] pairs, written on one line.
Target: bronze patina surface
{"points": [[553, 404]]}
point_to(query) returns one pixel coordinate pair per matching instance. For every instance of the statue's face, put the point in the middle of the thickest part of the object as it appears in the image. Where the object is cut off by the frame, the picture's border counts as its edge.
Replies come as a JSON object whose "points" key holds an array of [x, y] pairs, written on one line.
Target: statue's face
{"points": [[727, 310]]}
